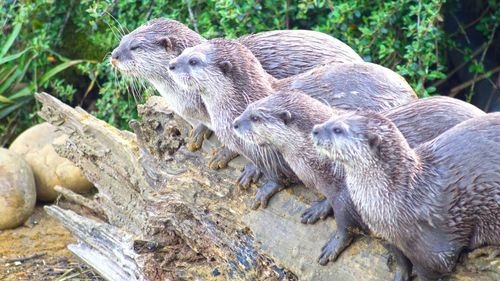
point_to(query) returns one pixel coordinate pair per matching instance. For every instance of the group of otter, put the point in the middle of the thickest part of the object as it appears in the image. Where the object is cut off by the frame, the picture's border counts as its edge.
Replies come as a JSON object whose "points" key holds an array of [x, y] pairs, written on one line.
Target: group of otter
{"points": [[423, 174]]}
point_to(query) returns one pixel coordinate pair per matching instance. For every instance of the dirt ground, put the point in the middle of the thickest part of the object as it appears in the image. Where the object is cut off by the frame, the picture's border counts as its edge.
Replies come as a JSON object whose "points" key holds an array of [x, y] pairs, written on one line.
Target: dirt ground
{"points": [[37, 251]]}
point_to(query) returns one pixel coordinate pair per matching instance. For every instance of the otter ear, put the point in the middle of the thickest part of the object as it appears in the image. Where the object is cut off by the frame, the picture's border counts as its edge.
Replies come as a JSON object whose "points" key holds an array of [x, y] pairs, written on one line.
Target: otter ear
{"points": [[166, 43], [286, 116], [225, 66]]}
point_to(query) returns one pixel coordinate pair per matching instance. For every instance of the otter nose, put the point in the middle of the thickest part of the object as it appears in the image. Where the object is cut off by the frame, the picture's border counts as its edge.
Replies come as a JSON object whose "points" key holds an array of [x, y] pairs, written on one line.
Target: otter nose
{"points": [[172, 65], [115, 55], [236, 124], [316, 131]]}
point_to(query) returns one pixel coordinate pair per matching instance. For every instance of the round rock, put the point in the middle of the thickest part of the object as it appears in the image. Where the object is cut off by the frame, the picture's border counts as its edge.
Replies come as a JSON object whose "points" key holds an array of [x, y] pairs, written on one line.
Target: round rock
{"points": [[35, 145], [17, 190]]}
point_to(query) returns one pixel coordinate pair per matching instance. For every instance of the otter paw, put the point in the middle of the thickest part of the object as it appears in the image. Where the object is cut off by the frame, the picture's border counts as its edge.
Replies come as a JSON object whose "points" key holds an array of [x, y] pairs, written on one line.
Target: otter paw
{"points": [[221, 158], [196, 137], [249, 175], [264, 193], [334, 247], [319, 210]]}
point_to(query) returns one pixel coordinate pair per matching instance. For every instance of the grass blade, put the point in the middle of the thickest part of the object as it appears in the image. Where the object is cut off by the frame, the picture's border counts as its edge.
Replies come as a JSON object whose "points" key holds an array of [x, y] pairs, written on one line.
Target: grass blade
{"points": [[9, 109], [6, 100], [29, 90], [10, 39], [12, 57], [5, 85]]}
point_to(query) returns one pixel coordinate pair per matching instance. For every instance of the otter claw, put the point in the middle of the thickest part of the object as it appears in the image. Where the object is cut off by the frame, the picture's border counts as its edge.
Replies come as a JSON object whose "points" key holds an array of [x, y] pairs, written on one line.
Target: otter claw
{"points": [[264, 193], [319, 210], [196, 137], [249, 175], [334, 247], [221, 157]]}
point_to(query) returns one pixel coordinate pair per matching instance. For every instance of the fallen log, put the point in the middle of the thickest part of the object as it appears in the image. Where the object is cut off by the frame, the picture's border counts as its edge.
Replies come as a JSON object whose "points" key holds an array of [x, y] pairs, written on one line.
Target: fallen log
{"points": [[164, 215]]}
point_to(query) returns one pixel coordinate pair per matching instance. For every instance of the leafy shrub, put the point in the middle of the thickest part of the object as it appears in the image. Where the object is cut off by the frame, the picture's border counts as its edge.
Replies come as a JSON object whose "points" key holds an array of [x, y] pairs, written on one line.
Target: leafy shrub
{"points": [[404, 35]]}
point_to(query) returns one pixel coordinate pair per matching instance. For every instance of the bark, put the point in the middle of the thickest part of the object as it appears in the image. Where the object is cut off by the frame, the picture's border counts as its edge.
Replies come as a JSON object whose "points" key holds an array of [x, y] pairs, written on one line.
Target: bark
{"points": [[161, 214]]}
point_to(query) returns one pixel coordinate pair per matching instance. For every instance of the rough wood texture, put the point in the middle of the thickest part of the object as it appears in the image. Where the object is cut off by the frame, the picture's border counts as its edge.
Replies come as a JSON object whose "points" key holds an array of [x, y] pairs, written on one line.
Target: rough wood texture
{"points": [[171, 218]]}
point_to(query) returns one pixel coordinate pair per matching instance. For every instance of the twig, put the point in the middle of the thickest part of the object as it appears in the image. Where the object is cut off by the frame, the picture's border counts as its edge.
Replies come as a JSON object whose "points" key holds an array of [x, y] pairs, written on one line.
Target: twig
{"points": [[490, 41], [66, 18], [494, 91], [89, 88], [471, 23], [191, 17], [150, 10], [460, 66], [464, 85], [10, 130], [287, 16], [23, 259]]}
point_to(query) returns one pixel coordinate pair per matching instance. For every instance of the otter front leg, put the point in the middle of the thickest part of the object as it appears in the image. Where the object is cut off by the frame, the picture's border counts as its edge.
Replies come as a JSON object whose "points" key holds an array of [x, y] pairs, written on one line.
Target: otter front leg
{"points": [[196, 137], [347, 227], [249, 175], [265, 192], [319, 210], [221, 157]]}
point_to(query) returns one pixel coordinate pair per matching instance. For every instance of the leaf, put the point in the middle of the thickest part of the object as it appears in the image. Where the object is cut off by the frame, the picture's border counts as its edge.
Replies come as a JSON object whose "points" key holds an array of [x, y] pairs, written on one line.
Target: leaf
{"points": [[49, 74], [12, 57], [10, 39], [9, 81], [9, 109], [6, 100]]}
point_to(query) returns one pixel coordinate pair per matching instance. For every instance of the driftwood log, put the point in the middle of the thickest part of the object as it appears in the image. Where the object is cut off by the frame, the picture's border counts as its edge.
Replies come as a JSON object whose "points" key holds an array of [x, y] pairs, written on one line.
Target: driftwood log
{"points": [[161, 214]]}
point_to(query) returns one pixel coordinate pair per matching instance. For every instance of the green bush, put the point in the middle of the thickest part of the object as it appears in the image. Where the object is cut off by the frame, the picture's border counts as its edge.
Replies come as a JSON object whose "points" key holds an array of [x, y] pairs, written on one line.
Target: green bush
{"points": [[404, 35]]}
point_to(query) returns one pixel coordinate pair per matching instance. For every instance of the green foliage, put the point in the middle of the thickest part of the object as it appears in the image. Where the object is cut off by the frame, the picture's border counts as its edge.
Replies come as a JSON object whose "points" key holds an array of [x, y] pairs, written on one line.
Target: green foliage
{"points": [[404, 35], [16, 91]]}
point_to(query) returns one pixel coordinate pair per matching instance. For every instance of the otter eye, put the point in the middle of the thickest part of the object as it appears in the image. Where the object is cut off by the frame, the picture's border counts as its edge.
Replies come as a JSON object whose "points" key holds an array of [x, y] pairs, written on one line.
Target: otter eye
{"points": [[337, 130], [254, 118], [193, 62]]}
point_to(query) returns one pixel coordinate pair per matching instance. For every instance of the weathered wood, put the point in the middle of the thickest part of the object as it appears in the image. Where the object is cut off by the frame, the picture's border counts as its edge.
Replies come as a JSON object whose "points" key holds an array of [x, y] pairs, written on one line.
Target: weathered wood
{"points": [[79, 199], [103, 246], [180, 220]]}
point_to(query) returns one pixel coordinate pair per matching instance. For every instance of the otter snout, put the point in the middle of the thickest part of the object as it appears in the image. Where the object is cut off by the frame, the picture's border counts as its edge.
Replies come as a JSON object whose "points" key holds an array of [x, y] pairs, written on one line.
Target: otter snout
{"points": [[240, 125], [177, 65], [237, 124], [120, 54], [321, 133], [327, 130]]}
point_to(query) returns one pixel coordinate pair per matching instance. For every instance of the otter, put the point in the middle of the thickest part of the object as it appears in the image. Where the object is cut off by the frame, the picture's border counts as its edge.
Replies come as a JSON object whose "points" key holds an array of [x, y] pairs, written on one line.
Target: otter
{"points": [[285, 121], [420, 121], [145, 52], [229, 77], [431, 202]]}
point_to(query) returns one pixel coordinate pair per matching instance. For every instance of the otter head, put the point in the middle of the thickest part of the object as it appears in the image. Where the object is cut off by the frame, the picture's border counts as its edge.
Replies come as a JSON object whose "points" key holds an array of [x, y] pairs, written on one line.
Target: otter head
{"points": [[284, 119], [219, 66], [264, 122], [353, 138], [145, 52]]}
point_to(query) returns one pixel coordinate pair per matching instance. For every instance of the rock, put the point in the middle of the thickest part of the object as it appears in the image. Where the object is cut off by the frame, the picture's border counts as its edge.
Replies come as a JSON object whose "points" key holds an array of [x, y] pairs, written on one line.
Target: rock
{"points": [[35, 145], [17, 190]]}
